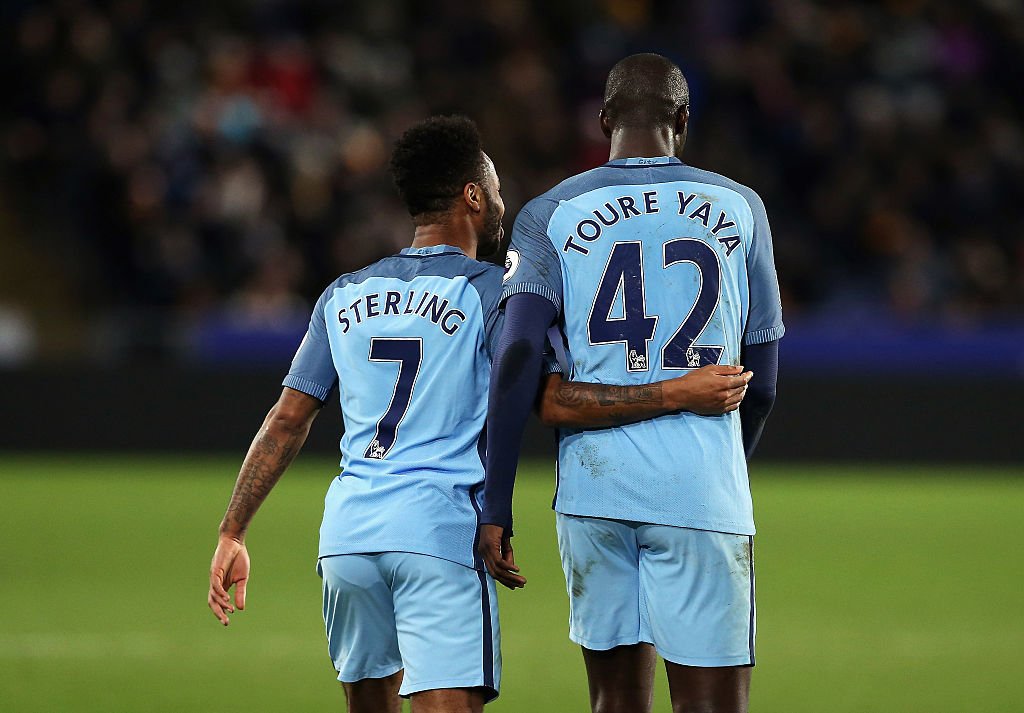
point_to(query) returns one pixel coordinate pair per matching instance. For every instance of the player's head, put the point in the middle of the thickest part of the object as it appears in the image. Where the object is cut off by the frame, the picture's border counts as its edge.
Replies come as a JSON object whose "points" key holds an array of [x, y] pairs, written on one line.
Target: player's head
{"points": [[443, 175], [646, 92]]}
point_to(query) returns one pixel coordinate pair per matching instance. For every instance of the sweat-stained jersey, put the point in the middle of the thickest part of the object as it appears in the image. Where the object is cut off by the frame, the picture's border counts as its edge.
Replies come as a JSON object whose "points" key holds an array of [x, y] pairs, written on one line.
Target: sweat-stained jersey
{"points": [[408, 342], [656, 268]]}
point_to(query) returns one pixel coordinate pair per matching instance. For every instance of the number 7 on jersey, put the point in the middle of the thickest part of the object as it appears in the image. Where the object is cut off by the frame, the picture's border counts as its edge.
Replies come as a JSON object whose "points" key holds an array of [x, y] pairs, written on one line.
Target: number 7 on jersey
{"points": [[408, 352]]}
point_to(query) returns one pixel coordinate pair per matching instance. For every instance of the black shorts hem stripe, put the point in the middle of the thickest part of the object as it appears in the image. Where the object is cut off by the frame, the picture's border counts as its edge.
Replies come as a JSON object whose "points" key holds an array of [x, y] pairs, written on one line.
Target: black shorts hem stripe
{"points": [[478, 562], [488, 647]]}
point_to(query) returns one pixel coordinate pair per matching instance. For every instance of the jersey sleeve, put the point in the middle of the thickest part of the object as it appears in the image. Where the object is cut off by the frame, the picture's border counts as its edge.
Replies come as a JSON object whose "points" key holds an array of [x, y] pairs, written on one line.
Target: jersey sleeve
{"points": [[494, 322], [764, 318], [488, 286], [532, 264], [551, 365], [312, 371]]}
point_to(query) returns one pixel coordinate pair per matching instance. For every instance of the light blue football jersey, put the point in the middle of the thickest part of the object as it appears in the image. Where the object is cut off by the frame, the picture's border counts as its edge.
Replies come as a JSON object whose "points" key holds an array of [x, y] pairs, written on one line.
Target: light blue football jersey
{"points": [[408, 342], [656, 268]]}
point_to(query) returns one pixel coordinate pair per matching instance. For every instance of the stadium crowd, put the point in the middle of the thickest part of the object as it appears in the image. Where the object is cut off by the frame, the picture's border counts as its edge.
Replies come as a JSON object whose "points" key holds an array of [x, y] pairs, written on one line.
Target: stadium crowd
{"points": [[181, 167]]}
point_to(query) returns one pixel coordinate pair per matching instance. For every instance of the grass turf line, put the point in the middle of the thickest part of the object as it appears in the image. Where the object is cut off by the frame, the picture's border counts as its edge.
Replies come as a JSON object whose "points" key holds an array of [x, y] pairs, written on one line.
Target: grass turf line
{"points": [[879, 589]]}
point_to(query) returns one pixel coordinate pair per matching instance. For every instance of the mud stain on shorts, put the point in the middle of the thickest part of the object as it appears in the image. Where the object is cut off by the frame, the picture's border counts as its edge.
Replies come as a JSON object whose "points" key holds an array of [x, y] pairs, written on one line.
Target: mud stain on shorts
{"points": [[579, 578], [741, 557]]}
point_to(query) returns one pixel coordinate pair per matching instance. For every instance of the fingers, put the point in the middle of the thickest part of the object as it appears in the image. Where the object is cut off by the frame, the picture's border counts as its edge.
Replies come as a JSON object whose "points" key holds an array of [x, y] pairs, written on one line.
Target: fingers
{"points": [[734, 396], [506, 546], [217, 591], [738, 379], [240, 593], [216, 608], [217, 600], [732, 403], [503, 569], [505, 574], [724, 369], [495, 549]]}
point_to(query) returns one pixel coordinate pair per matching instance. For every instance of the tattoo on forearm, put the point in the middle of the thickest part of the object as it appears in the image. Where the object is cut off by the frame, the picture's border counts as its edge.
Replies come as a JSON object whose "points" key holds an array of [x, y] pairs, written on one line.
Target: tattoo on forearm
{"points": [[267, 459], [615, 401]]}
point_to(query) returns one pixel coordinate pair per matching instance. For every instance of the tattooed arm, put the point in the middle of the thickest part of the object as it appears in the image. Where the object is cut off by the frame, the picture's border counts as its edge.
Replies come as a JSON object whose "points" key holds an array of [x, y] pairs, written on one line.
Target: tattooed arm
{"points": [[275, 446], [708, 391], [272, 451]]}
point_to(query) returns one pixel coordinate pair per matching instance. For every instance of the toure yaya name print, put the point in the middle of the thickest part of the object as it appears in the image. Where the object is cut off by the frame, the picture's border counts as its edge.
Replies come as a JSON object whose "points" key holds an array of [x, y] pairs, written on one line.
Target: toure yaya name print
{"points": [[625, 207]]}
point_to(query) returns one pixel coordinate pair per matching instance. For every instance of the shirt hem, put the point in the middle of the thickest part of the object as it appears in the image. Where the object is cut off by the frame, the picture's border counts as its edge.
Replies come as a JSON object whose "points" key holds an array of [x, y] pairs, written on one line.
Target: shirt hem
{"points": [[366, 549], [723, 526]]}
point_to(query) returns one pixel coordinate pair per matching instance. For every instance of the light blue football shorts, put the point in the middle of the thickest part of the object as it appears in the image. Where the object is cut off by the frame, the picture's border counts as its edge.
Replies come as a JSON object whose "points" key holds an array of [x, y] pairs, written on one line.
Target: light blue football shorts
{"points": [[688, 592], [392, 610]]}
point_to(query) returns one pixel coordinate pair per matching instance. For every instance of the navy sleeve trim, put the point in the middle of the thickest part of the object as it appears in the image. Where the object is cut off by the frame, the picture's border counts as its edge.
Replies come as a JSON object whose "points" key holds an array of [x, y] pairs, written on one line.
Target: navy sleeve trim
{"points": [[532, 288], [311, 388], [762, 336], [551, 365]]}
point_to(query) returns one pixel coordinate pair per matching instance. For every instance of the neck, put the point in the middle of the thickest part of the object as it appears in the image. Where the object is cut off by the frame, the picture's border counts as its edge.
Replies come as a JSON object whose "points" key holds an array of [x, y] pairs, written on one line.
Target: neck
{"points": [[457, 233], [630, 142]]}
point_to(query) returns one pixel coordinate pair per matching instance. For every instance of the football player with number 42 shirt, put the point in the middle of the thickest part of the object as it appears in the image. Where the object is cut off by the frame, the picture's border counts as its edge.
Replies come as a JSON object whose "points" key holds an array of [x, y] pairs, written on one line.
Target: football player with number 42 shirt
{"points": [[647, 268], [407, 341]]}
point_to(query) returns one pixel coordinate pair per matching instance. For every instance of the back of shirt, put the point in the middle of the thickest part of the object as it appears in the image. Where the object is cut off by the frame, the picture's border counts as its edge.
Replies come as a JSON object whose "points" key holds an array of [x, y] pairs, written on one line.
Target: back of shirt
{"points": [[408, 341], [657, 268]]}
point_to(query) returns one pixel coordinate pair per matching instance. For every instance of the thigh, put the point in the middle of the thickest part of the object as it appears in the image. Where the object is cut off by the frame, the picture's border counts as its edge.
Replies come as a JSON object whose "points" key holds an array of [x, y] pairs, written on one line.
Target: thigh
{"points": [[359, 618], [446, 616], [699, 591], [708, 690], [600, 562], [448, 700], [621, 680], [374, 695]]}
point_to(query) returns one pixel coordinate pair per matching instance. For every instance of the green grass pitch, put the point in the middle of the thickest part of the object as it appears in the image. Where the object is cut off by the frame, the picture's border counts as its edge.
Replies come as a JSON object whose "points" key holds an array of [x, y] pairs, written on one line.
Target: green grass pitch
{"points": [[879, 589]]}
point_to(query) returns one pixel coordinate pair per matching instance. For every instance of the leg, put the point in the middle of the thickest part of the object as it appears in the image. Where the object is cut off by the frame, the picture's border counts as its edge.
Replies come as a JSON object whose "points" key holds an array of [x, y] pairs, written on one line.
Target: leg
{"points": [[446, 616], [373, 695], [448, 700], [723, 689], [699, 590], [621, 679], [361, 636]]}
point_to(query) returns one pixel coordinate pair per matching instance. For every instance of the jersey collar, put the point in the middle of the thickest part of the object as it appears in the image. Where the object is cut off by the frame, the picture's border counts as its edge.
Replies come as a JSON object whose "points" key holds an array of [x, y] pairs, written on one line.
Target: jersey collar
{"points": [[432, 250], [646, 161]]}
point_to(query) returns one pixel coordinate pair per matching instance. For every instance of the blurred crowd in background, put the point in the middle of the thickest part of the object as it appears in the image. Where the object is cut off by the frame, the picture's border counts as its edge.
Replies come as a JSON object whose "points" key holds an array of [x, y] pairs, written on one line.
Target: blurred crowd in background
{"points": [[184, 179]]}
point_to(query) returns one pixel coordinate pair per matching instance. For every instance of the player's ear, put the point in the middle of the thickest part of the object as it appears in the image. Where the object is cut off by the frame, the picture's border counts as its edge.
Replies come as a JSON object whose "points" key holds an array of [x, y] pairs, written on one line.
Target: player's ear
{"points": [[682, 118], [606, 126], [473, 194]]}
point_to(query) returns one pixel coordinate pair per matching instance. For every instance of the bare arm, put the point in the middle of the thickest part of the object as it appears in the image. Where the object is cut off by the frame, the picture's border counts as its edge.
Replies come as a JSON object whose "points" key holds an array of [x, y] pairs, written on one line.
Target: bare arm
{"points": [[276, 444], [710, 390]]}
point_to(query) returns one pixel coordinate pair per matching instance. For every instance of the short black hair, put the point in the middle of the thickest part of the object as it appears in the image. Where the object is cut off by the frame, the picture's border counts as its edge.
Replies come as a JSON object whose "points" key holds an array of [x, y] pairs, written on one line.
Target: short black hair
{"points": [[434, 160], [645, 90]]}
